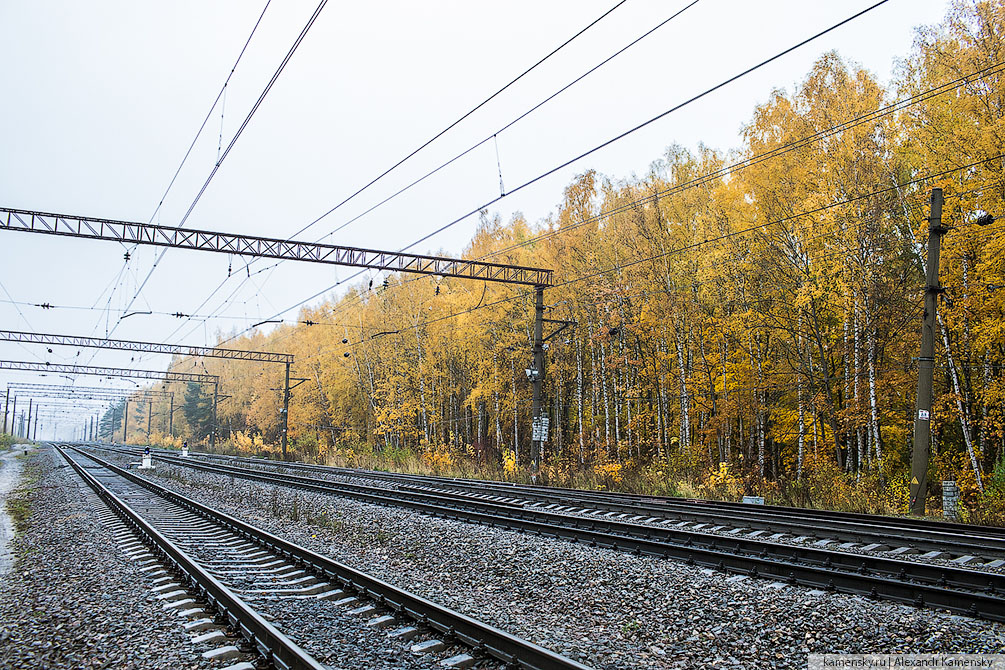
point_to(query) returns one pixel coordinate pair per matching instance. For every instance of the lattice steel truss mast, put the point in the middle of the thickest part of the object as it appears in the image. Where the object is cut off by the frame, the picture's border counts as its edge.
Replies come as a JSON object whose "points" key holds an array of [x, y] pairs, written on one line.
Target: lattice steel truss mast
{"points": [[156, 348], [64, 390]]}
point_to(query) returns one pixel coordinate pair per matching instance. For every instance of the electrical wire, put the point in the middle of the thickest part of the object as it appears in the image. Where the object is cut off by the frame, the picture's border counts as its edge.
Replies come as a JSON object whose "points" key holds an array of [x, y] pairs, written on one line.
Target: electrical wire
{"points": [[723, 237], [624, 134], [209, 113], [519, 118], [462, 117], [581, 304], [47, 306], [731, 169], [202, 127], [721, 84], [648, 122], [233, 141], [447, 129], [23, 318], [718, 174]]}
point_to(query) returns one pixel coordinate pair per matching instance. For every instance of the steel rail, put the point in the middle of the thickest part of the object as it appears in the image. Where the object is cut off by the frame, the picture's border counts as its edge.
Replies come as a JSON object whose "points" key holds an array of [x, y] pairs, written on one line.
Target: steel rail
{"points": [[962, 539], [263, 636], [662, 503], [493, 641], [955, 589], [600, 497], [899, 521], [878, 532]]}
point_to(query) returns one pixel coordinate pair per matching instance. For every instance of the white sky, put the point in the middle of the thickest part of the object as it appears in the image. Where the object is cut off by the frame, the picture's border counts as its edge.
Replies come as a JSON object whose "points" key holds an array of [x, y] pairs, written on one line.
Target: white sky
{"points": [[101, 99]]}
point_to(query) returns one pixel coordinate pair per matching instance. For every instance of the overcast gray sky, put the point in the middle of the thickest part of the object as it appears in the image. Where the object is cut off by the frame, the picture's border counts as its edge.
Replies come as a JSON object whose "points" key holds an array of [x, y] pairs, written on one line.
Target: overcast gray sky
{"points": [[101, 100]]}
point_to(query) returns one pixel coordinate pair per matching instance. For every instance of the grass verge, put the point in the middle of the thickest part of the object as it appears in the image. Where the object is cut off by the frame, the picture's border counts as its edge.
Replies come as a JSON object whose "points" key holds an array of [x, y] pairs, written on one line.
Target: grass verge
{"points": [[18, 501]]}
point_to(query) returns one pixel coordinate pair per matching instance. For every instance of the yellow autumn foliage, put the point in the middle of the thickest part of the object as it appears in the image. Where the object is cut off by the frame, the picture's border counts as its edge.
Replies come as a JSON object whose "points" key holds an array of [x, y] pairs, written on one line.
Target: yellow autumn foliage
{"points": [[746, 320]]}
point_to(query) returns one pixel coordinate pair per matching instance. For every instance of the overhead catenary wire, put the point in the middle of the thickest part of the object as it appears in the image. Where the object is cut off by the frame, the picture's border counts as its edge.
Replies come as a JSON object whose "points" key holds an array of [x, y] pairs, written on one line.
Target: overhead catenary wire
{"points": [[440, 134], [646, 123], [896, 187], [725, 236], [205, 120], [625, 134], [619, 137], [23, 318], [240, 130], [47, 306], [754, 160], [209, 113], [492, 137], [728, 170], [513, 122], [463, 117], [407, 329]]}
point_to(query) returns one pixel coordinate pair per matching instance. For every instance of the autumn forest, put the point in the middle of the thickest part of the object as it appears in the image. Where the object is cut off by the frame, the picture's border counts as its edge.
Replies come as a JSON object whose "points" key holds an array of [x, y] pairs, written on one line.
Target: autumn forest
{"points": [[743, 322]]}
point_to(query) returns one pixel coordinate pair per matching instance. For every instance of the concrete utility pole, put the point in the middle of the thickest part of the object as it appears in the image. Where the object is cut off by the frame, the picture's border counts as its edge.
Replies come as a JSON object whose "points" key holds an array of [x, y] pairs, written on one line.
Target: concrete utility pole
{"points": [[212, 429], [125, 421], [536, 374], [286, 409], [926, 362], [26, 433], [6, 406]]}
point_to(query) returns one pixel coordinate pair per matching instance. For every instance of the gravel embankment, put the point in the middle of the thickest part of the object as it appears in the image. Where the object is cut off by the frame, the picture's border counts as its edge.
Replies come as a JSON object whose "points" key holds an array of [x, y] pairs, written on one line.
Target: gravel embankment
{"points": [[72, 600], [606, 609]]}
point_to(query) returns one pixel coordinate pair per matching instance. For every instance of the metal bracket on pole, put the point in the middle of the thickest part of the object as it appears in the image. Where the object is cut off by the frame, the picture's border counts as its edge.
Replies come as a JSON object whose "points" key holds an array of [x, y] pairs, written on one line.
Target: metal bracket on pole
{"points": [[565, 324]]}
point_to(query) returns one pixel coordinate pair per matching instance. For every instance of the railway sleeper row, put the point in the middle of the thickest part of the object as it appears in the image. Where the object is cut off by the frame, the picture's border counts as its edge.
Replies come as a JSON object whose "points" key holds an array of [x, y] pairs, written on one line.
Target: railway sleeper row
{"points": [[959, 590], [634, 526], [638, 501], [965, 545], [880, 537], [292, 571]]}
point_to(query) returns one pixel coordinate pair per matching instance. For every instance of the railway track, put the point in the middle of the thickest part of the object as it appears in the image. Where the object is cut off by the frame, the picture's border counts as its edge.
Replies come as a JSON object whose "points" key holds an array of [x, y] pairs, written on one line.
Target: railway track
{"points": [[951, 587], [897, 536], [205, 560]]}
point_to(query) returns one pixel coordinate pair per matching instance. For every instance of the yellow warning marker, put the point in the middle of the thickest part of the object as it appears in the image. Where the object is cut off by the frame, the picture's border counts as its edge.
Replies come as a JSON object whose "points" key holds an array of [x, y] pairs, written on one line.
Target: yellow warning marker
{"points": [[914, 480]]}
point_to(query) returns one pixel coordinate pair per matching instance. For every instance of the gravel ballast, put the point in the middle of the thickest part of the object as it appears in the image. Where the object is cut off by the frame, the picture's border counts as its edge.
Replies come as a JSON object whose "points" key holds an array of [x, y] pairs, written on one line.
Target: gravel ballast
{"points": [[603, 608], [72, 599], [984, 562]]}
